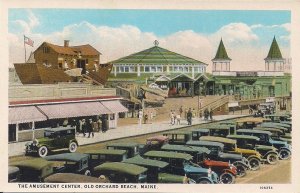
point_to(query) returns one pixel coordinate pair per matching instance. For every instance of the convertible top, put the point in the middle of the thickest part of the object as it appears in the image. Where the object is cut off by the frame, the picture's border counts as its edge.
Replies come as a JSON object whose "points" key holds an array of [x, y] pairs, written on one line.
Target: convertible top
{"points": [[185, 148], [37, 164], [251, 119], [217, 139], [205, 143], [125, 144], [59, 129], [121, 167], [253, 131], [138, 160], [106, 151], [243, 137], [166, 154], [73, 178], [72, 157]]}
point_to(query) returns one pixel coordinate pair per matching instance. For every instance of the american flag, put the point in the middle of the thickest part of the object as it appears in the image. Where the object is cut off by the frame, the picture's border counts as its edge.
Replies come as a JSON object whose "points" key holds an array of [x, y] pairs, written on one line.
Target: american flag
{"points": [[28, 41]]}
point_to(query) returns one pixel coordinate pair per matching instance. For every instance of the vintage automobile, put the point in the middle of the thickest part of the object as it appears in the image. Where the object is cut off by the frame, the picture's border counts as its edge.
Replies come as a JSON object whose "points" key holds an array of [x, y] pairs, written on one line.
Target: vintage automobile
{"points": [[180, 164], [220, 130], [283, 148], [54, 139], [178, 137], [216, 153], [72, 163], [197, 133], [34, 170], [269, 153], [100, 156], [13, 174], [277, 134], [174, 179], [119, 172], [154, 143], [73, 178], [278, 117], [230, 146], [285, 127], [226, 171], [131, 148], [249, 122]]}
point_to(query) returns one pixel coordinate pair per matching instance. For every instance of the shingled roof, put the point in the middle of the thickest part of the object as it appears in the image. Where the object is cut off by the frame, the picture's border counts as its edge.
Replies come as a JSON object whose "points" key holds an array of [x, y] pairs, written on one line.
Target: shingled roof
{"points": [[156, 55], [274, 52], [221, 52], [85, 50]]}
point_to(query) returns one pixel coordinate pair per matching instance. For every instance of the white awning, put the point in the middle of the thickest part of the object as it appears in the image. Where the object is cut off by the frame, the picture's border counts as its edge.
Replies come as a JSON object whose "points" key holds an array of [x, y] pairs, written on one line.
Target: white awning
{"points": [[55, 111], [24, 114], [114, 106]]}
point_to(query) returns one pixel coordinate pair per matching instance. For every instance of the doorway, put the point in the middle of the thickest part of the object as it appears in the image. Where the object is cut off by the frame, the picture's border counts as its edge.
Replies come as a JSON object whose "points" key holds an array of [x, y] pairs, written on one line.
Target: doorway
{"points": [[81, 64], [12, 135]]}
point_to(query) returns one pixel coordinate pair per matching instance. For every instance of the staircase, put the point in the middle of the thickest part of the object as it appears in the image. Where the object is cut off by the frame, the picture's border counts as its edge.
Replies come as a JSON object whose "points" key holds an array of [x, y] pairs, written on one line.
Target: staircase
{"points": [[90, 79], [213, 105]]}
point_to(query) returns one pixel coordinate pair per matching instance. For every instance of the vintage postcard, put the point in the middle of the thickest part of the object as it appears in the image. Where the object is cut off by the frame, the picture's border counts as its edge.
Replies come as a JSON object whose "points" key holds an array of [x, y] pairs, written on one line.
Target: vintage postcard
{"points": [[150, 96]]}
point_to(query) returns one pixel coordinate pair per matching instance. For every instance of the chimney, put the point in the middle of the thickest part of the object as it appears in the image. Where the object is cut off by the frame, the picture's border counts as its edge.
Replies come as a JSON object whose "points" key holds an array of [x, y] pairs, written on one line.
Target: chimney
{"points": [[66, 43]]}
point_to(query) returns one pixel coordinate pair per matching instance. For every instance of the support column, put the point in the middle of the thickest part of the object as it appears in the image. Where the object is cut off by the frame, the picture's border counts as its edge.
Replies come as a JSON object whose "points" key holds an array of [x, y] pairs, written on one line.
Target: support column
{"points": [[168, 69], [17, 132], [115, 70], [116, 119], [138, 70], [193, 72], [33, 130]]}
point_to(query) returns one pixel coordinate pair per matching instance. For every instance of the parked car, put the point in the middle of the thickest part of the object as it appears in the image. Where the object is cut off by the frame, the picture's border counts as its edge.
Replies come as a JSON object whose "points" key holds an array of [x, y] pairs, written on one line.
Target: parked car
{"points": [[269, 153], [118, 172], [34, 170], [220, 130], [153, 166], [216, 153], [249, 122], [54, 138], [13, 174], [73, 163], [174, 179], [180, 164], [278, 117], [155, 142], [131, 148], [230, 146], [277, 134], [283, 148], [100, 156], [178, 137], [226, 171], [285, 127], [73, 178], [197, 133]]}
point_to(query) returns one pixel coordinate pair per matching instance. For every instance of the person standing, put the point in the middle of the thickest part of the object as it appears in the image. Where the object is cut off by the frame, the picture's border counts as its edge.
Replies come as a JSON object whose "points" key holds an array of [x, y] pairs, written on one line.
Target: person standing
{"points": [[211, 114], [178, 117], [151, 116], [172, 118], [140, 117], [104, 123], [180, 111], [189, 117], [83, 127]]}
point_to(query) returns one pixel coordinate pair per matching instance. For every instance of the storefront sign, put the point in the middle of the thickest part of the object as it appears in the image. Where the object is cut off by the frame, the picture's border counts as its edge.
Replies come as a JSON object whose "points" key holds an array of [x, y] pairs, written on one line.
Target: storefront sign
{"points": [[245, 73]]}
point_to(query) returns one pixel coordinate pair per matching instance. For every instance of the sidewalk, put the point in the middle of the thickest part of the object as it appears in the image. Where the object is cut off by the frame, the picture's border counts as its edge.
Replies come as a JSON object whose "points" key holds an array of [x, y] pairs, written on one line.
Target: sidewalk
{"points": [[15, 149]]}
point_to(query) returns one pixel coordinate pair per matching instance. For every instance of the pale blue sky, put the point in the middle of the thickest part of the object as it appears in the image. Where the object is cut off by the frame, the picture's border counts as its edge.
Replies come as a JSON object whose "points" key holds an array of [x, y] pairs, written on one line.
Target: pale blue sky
{"points": [[247, 35]]}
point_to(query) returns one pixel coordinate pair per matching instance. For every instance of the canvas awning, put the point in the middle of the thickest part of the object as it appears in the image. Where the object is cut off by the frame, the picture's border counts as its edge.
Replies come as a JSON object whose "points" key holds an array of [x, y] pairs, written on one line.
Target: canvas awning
{"points": [[24, 114], [55, 111], [114, 106]]}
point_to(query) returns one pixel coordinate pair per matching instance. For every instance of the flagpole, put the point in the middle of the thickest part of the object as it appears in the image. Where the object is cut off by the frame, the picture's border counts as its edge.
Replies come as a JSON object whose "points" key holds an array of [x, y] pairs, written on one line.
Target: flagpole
{"points": [[25, 48]]}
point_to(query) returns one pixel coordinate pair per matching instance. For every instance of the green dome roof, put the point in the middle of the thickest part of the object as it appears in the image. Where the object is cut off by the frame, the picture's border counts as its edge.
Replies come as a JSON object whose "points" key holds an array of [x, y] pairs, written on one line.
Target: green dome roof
{"points": [[156, 55], [274, 52], [221, 52]]}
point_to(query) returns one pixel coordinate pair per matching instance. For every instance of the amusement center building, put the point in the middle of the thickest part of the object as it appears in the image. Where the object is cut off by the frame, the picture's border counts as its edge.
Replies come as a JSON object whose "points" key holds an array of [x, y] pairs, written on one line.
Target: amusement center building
{"points": [[184, 76]]}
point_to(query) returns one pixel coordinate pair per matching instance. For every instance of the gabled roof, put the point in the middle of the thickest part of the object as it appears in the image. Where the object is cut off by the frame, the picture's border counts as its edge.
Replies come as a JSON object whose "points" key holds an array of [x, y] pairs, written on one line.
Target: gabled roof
{"points": [[274, 52], [156, 55], [74, 50], [221, 52]]}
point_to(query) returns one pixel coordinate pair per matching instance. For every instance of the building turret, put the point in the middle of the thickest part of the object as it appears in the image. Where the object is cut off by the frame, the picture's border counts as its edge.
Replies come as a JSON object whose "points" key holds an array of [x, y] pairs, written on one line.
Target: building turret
{"points": [[221, 62], [274, 61]]}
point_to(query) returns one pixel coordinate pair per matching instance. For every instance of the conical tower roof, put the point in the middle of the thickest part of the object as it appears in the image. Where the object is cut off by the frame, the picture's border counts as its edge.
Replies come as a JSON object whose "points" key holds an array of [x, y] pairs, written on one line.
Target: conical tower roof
{"points": [[221, 52], [156, 55], [274, 52]]}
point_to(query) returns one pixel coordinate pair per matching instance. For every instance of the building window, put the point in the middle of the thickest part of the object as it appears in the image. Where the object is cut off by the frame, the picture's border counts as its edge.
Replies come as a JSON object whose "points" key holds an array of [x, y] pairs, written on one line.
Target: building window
{"points": [[185, 69], [146, 69], [159, 69], [46, 50], [152, 69]]}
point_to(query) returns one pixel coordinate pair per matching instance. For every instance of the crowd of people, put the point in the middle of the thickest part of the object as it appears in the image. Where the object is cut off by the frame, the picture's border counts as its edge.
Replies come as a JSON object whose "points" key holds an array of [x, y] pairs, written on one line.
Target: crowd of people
{"points": [[87, 126], [189, 114]]}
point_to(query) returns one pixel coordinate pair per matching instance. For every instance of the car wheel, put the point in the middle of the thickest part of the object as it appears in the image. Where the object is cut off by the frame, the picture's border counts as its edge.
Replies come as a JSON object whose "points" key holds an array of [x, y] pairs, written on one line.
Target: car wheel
{"points": [[227, 178], [240, 170], [204, 181], [254, 164], [284, 154], [87, 173], [272, 158], [72, 147], [43, 151]]}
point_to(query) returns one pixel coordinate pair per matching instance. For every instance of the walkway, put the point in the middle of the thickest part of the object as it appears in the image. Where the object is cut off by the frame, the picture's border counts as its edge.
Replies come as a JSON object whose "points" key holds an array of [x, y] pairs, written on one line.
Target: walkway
{"points": [[121, 132]]}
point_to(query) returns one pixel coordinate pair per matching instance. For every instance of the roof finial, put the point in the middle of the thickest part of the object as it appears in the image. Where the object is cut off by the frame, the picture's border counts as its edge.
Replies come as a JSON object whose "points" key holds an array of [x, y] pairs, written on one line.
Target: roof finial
{"points": [[156, 43]]}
